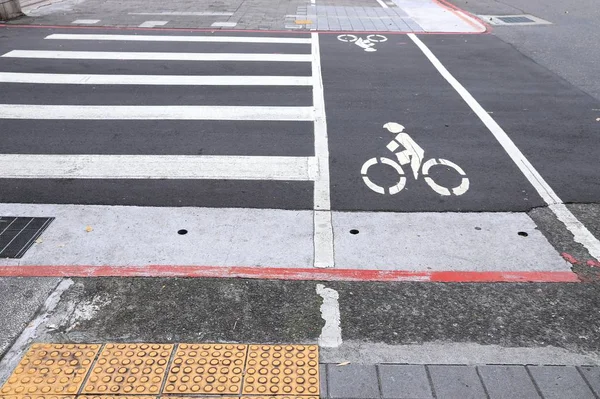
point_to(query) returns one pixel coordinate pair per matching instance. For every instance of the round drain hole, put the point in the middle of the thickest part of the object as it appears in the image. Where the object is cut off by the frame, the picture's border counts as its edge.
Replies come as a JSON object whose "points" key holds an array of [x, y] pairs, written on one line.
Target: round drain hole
{"points": [[353, 231], [522, 234], [182, 232]]}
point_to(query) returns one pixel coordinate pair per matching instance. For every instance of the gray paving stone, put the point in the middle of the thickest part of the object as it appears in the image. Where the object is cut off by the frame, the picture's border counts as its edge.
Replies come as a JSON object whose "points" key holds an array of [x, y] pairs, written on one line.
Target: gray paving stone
{"points": [[592, 375], [368, 24], [323, 380], [354, 381], [507, 382], [401, 25], [456, 382], [560, 382], [404, 382]]}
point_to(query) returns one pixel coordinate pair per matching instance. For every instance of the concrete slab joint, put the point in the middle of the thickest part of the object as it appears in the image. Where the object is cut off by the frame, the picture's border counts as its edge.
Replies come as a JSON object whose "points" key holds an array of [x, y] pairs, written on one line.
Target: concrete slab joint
{"points": [[9, 9]]}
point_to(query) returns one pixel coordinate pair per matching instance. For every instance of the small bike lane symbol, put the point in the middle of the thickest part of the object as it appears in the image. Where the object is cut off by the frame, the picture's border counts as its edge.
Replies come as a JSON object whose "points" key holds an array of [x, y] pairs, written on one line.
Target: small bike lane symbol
{"points": [[367, 44], [413, 155]]}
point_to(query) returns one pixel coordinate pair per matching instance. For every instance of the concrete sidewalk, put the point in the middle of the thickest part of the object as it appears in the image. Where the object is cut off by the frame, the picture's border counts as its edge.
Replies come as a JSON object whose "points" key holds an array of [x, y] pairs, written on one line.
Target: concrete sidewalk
{"points": [[409, 381], [323, 15]]}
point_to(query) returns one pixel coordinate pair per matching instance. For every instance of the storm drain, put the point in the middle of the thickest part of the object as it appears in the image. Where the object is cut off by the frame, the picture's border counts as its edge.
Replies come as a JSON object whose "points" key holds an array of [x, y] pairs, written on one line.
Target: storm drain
{"points": [[524, 19], [17, 234]]}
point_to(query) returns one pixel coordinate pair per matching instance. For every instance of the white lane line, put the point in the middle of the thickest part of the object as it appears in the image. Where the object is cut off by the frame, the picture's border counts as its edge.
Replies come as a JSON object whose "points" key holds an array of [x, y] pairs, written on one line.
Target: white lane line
{"points": [[331, 334], [184, 13], [155, 112], [154, 80], [322, 202], [143, 56], [198, 39], [580, 233], [13, 356], [152, 24], [44, 166], [85, 21], [382, 4], [223, 24]]}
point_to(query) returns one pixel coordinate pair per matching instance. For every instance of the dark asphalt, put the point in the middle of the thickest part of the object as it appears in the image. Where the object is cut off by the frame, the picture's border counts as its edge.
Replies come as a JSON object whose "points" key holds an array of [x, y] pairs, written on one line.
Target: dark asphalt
{"points": [[547, 118], [172, 309]]}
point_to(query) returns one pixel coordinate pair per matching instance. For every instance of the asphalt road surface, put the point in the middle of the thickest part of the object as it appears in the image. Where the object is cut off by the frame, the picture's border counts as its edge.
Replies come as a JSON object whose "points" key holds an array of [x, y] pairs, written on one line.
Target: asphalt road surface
{"points": [[431, 158]]}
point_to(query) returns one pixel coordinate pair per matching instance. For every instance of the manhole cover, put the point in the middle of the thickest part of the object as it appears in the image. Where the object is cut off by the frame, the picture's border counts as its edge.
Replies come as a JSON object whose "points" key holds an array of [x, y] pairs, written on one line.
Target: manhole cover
{"points": [[17, 234], [524, 19]]}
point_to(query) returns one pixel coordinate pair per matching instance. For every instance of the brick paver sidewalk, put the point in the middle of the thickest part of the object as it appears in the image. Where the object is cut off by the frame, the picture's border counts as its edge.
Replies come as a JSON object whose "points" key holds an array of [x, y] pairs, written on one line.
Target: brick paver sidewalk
{"points": [[402, 381]]}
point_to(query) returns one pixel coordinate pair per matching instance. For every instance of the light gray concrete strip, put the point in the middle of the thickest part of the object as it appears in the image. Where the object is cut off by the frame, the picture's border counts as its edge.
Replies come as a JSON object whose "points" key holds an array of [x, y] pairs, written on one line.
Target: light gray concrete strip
{"points": [[453, 353], [20, 299], [442, 241], [123, 235]]}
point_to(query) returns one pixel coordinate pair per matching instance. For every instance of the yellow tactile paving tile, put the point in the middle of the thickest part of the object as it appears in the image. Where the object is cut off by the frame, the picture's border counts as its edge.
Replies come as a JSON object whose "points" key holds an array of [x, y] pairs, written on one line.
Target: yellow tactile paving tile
{"points": [[37, 396], [115, 397], [51, 371], [207, 369], [129, 369], [282, 370], [279, 397], [153, 371]]}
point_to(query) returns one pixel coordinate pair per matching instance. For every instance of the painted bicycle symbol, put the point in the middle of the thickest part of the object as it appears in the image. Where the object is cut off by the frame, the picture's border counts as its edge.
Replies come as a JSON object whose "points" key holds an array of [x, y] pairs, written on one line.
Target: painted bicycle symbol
{"points": [[413, 155], [367, 44]]}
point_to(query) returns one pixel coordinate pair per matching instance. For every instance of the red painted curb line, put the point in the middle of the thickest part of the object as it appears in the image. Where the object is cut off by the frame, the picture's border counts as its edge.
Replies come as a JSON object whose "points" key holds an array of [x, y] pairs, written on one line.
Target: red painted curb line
{"points": [[286, 273], [464, 15]]}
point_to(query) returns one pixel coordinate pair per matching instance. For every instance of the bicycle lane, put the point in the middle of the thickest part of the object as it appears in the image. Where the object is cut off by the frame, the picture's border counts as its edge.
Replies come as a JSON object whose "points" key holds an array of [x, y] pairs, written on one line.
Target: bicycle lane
{"points": [[486, 229], [365, 90]]}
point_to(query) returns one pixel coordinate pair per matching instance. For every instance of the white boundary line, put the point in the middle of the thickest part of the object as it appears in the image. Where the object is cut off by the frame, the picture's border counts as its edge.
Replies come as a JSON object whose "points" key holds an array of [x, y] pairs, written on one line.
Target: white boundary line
{"points": [[382, 4], [196, 39], [184, 13], [154, 80], [323, 238], [156, 112], [16, 351], [580, 233], [226, 167], [147, 56]]}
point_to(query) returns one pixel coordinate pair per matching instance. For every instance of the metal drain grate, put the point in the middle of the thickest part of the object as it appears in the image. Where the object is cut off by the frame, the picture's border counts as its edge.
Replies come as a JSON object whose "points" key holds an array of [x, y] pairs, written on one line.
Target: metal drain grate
{"points": [[524, 19], [515, 20], [17, 234]]}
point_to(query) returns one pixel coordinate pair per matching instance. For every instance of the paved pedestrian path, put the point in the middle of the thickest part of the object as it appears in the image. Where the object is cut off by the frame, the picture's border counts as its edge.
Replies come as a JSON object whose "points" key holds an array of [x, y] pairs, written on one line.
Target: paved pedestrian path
{"points": [[322, 15], [411, 381]]}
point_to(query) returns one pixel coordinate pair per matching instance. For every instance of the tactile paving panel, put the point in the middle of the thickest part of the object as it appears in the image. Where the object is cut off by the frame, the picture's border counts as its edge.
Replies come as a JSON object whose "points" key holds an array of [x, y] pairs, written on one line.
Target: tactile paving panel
{"points": [[207, 369], [115, 397], [37, 396], [279, 397], [129, 369], [282, 370], [51, 370]]}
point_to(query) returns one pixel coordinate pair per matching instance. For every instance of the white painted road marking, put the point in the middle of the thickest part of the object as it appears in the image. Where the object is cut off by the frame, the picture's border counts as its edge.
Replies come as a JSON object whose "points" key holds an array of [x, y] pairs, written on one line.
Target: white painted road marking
{"points": [[331, 334], [143, 56], [156, 112], [43, 166], [184, 13], [367, 44], [85, 21], [580, 233], [152, 24], [323, 237], [223, 24], [197, 39], [412, 154], [171, 80]]}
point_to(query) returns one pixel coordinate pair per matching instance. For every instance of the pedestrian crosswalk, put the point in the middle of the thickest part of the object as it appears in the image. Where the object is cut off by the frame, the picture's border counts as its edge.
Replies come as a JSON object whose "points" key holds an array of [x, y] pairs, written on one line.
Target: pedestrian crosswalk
{"points": [[69, 62]]}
